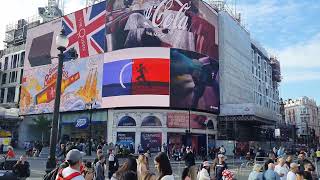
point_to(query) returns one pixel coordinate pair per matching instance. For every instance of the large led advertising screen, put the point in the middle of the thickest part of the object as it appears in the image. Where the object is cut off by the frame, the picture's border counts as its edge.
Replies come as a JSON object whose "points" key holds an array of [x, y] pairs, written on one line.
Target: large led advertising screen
{"points": [[140, 53], [81, 83], [136, 77], [183, 24]]}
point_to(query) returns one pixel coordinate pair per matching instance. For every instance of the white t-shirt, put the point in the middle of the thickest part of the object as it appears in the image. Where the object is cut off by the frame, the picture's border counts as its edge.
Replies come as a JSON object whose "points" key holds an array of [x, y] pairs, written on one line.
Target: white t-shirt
{"points": [[68, 170], [281, 170], [291, 176]]}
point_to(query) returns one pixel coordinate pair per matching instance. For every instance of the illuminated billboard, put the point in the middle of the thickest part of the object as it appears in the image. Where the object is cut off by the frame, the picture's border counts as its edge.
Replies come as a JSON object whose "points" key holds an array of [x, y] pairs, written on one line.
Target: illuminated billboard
{"points": [[142, 53], [183, 24], [41, 44], [136, 77], [194, 81], [81, 83]]}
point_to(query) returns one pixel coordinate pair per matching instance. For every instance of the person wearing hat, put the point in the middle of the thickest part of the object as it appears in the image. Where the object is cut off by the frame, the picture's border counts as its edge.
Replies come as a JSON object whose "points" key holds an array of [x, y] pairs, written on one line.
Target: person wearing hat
{"points": [[220, 167], [204, 173], [294, 168], [72, 172]]}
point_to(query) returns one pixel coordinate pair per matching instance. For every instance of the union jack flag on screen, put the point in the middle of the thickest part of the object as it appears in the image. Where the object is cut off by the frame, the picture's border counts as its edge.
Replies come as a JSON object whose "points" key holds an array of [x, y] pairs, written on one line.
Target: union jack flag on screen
{"points": [[85, 30]]}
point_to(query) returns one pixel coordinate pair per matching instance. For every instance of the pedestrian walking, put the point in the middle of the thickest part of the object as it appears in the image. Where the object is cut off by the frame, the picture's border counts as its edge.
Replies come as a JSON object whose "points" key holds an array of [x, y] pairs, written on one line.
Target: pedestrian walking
{"points": [[220, 167], [307, 174], [270, 174], [271, 159], [302, 161], [222, 150], [143, 171], [22, 168], [99, 168], [88, 172], [256, 172], [204, 173], [113, 164], [289, 160], [281, 169], [190, 162], [10, 153], [129, 165], [294, 168], [73, 171], [163, 166], [105, 150]]}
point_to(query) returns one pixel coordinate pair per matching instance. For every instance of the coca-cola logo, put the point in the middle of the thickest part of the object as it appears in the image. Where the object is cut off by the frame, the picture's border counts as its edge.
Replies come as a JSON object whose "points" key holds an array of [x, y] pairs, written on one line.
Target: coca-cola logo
{"points": [[161, 16]]}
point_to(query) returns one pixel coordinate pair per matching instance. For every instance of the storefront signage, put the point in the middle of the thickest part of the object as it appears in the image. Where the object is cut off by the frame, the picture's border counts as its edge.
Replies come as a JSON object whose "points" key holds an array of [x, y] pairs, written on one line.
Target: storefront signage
{"points": [[126, 138], [151, 141], [82, 123]]}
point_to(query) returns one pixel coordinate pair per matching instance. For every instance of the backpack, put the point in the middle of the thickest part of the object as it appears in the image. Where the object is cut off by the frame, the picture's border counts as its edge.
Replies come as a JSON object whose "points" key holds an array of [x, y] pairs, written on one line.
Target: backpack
{"points": [[72, 175]]}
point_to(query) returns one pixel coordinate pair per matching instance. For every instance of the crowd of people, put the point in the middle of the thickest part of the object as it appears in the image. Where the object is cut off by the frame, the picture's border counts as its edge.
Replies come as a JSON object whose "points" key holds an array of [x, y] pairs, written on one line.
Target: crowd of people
{"points": [[281, 166], [106, 166]]}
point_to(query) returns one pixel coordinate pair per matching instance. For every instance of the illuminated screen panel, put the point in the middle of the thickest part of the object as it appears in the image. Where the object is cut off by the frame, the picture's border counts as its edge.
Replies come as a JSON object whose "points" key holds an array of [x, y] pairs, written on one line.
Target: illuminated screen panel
{"points": [[81, 83]]}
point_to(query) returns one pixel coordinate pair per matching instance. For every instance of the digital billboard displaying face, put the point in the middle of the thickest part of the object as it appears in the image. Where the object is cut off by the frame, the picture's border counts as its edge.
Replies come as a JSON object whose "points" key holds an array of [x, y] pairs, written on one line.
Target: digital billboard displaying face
{"points": [[194, 81], [183, 24], [81, 83]]}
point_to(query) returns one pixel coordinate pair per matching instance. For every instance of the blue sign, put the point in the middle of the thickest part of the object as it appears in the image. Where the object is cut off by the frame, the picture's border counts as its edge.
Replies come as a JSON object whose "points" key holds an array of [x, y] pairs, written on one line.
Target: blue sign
{"points": [[82, 123]]}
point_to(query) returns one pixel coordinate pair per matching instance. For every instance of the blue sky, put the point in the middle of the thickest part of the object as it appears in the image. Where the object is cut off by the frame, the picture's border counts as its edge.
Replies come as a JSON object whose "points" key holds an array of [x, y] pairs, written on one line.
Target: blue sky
{"points": [[289, 29]]}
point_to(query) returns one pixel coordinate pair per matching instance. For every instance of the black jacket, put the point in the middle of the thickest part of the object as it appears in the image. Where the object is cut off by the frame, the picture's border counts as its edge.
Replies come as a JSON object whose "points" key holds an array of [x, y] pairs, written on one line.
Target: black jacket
{"points": [[189, 159], [219, 169], [22, 170]]}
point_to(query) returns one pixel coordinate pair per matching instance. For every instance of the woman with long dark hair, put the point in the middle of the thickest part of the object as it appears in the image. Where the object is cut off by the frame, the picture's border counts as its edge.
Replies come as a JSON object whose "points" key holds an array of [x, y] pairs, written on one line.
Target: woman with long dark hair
{"points": [[162, 164], [129, 165]]}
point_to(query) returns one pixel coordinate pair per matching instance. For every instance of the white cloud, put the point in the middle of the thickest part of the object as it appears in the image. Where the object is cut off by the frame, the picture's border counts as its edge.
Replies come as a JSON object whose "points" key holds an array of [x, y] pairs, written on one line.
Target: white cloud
{"points": [[301, 55], [300, 61], [73, 5], [13, 10]]}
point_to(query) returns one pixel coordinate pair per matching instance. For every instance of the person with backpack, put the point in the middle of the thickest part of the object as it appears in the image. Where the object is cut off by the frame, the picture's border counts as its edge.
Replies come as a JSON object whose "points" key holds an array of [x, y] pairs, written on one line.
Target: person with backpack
{"points": [[73, 171], [99, 168]]}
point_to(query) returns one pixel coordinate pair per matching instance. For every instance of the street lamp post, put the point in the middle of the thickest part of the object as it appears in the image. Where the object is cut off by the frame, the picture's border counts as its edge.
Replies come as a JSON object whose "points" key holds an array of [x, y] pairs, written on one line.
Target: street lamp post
{"points": [[62, 42], [90, 105]]}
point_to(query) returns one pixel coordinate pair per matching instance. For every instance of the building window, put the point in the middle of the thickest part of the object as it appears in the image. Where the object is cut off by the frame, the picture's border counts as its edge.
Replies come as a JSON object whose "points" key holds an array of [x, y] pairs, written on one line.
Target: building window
{"points": [[22, 59], [11, 94], [2, 95], [4, 78], [13, 76], [6, 60], [14, 61]]}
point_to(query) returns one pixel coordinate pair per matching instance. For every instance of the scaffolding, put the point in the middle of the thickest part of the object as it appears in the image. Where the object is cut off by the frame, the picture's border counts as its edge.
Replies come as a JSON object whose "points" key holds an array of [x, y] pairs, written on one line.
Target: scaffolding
{"points": [[276, 71], [16, 33]]}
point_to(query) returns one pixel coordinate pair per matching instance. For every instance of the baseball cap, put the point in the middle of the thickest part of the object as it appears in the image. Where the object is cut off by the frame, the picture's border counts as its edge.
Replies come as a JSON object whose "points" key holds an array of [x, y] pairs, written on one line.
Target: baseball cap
{"points": [[74, 155], [205, 164], [293, 165]]}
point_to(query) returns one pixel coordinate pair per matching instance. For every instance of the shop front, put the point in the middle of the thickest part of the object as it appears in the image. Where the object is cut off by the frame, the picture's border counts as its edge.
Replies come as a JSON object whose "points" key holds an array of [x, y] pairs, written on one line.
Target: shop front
{"points": [[76, 126], [153, 128]]}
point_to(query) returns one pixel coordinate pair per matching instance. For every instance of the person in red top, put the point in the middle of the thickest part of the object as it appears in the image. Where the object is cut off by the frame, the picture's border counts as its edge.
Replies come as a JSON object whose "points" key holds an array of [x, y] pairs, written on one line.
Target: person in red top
{"points": [[10, 153]]}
